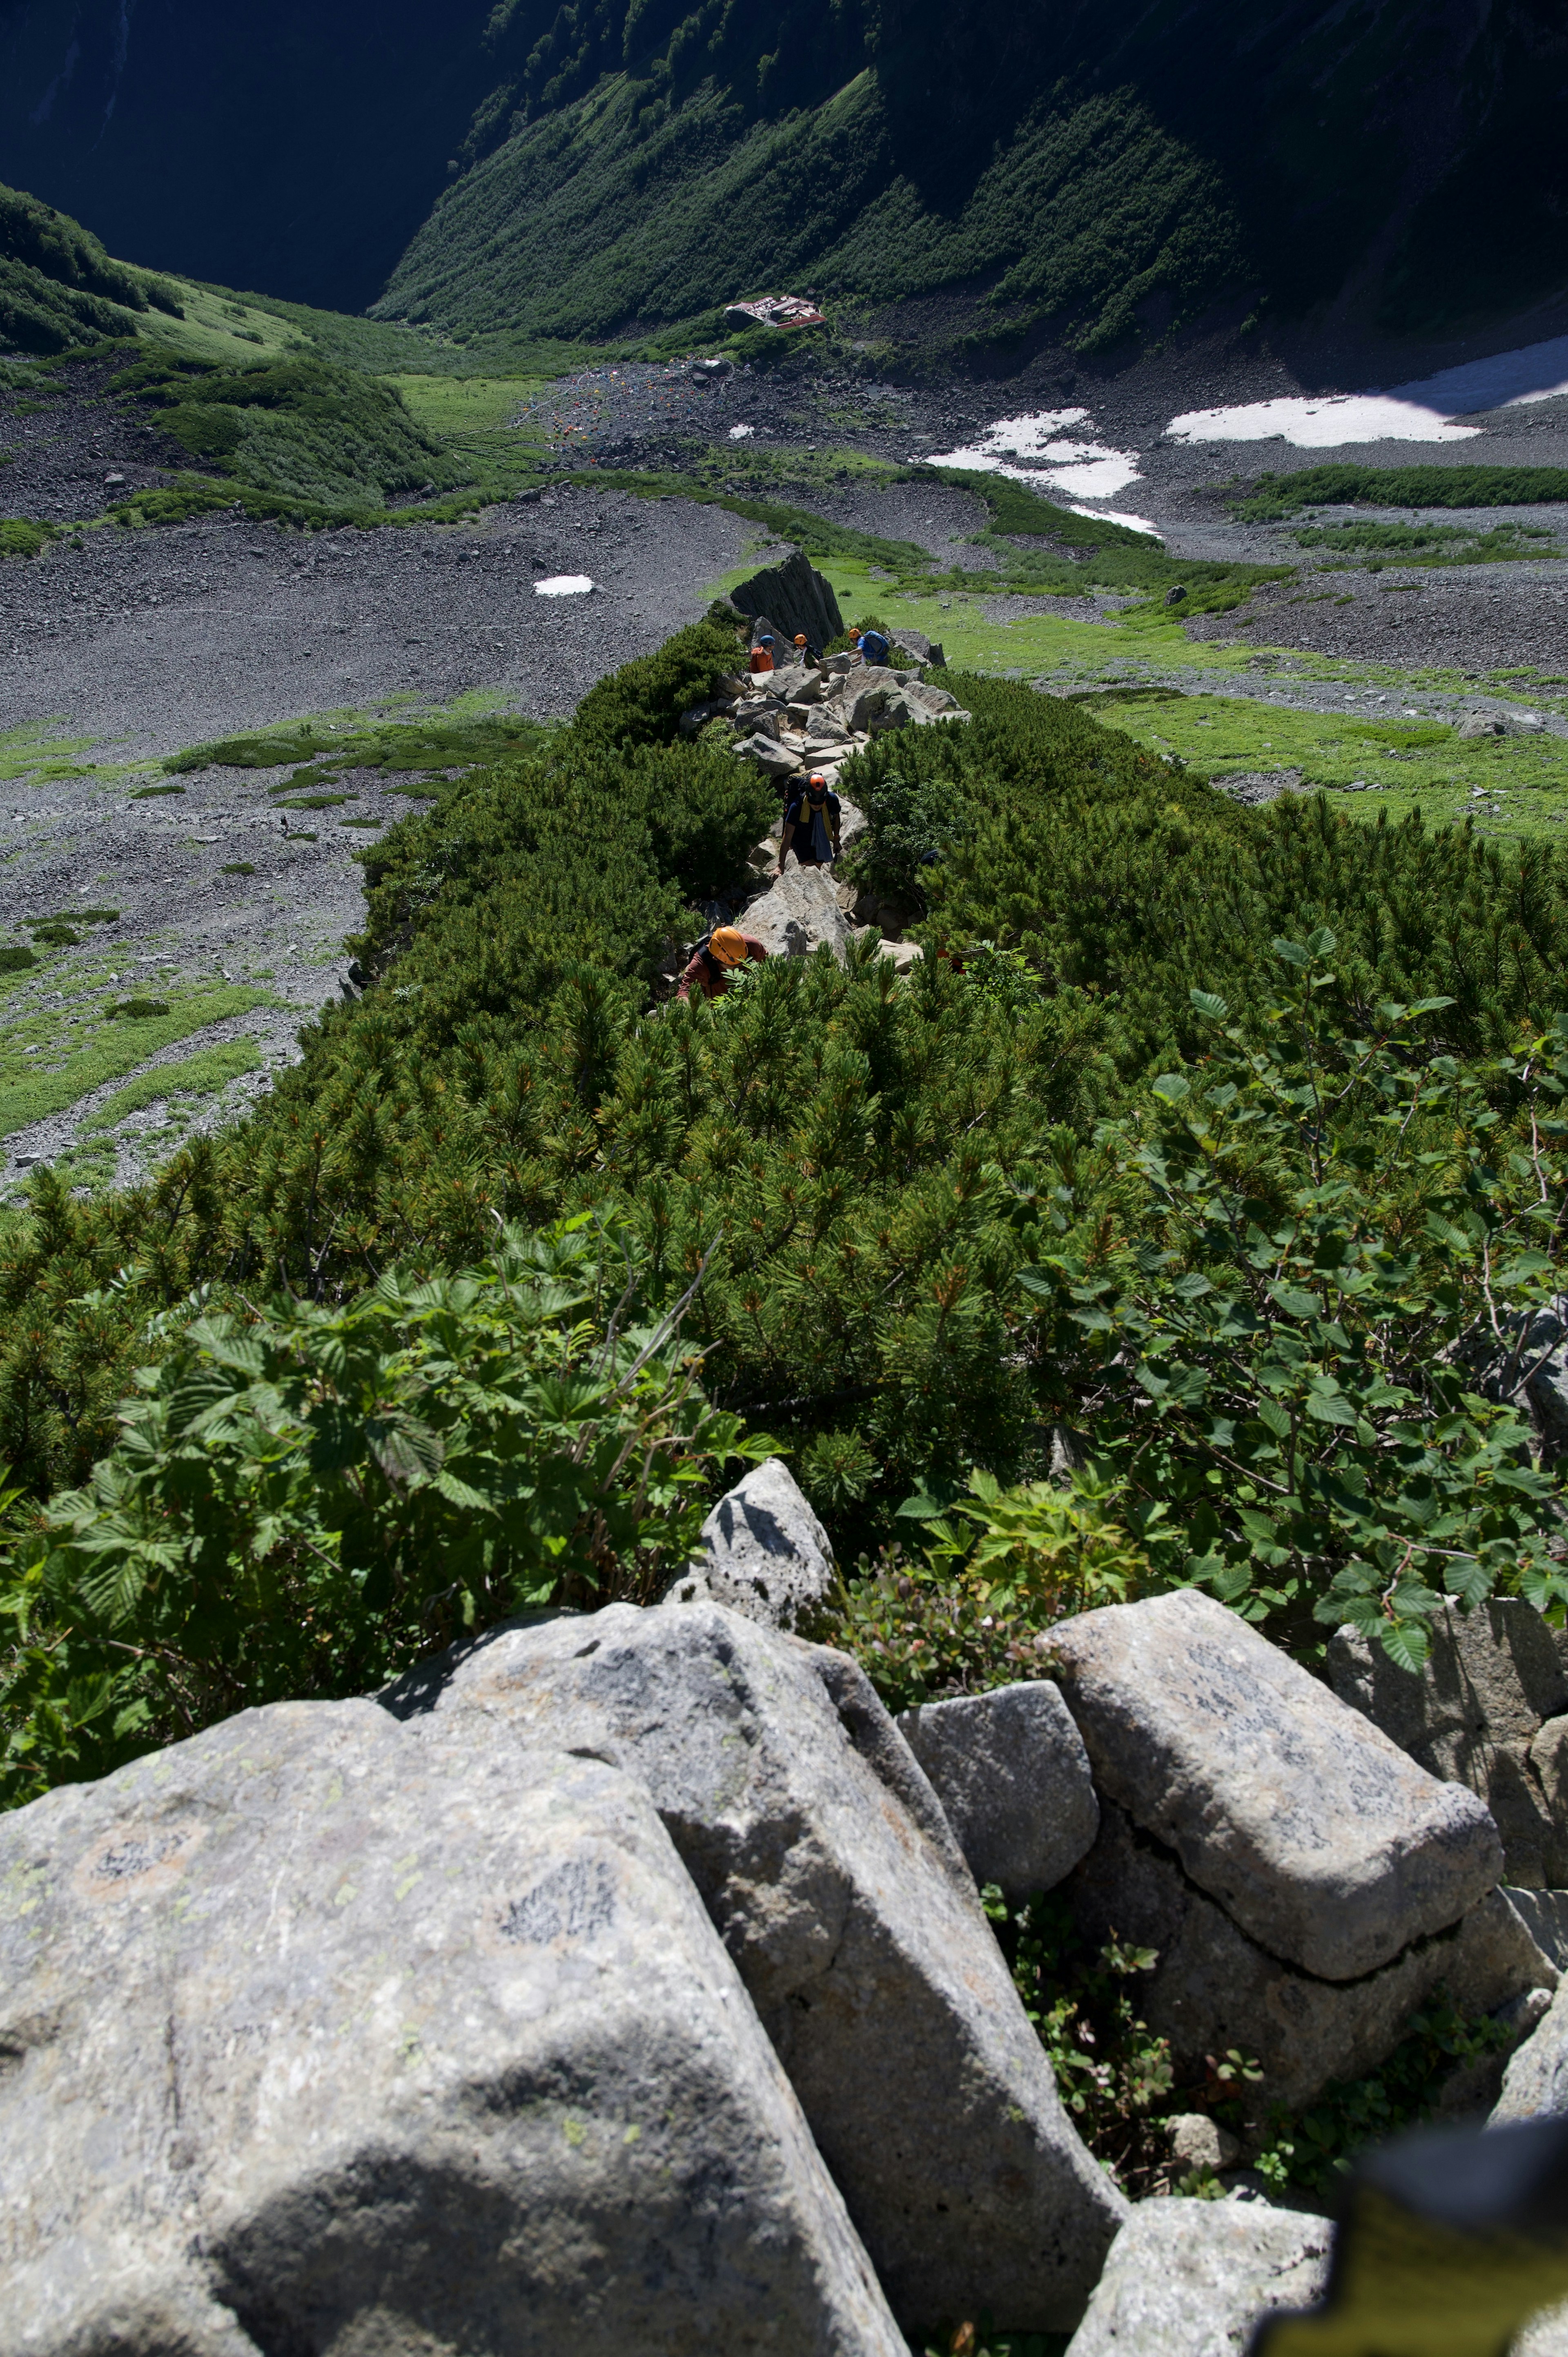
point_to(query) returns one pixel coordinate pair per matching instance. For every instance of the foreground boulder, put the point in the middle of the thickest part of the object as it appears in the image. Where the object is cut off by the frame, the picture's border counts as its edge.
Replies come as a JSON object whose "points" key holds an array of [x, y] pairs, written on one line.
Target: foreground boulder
{"points": [[1489, 1710], [763, 1552], [1320, 1838], [1192, 2279], [832, 1877], [1011, 1772], [322, 2034]]}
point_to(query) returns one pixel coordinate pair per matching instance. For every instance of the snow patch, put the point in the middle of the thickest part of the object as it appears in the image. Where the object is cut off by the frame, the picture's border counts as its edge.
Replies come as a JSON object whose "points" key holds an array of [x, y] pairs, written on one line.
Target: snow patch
{"points": [[563, 585], [1036, 447], [1321, 422], [1113, 515], [741, 433]]}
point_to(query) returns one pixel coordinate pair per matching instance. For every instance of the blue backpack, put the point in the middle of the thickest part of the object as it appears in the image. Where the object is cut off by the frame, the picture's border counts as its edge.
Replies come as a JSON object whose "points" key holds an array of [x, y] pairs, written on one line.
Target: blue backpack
{"points": [[875, 647]]}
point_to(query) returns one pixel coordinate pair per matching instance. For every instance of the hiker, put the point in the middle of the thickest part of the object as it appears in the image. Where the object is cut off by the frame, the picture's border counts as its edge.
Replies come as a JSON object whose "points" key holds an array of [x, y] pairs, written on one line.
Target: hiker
{"points": [[873, 646], [762, 652], [812, 826], [714, 960]]}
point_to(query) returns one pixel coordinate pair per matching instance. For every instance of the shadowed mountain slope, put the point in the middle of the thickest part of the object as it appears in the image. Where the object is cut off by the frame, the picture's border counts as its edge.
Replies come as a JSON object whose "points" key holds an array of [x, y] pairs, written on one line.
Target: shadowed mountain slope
{"points": [[573, 169]]}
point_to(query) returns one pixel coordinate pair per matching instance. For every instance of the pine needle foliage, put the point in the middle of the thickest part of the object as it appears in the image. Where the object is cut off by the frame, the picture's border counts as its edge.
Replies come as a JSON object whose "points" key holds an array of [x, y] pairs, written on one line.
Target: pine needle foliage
{"points": [[1095, 1164]]}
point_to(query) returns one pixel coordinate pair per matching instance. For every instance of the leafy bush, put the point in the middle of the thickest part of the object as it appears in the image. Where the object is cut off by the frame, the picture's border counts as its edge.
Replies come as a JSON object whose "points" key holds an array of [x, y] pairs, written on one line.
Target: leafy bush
{"points": [[13, 959], [304, 1500]]}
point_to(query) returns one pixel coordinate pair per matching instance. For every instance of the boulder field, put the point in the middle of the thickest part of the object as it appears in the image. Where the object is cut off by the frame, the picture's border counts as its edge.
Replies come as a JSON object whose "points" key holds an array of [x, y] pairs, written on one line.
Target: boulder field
{"points": [[621, 1981]]}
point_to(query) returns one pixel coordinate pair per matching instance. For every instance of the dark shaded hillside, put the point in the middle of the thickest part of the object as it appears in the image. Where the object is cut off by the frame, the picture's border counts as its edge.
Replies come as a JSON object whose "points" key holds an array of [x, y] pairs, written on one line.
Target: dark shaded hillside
{"points": [[1103, 171], [570, 169], [294, 148]]}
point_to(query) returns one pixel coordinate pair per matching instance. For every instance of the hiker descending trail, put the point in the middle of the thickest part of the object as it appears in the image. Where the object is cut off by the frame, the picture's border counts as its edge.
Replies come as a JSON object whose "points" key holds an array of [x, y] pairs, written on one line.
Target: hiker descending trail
{"points": [[812, 826], [714, 961], [762, 652]]}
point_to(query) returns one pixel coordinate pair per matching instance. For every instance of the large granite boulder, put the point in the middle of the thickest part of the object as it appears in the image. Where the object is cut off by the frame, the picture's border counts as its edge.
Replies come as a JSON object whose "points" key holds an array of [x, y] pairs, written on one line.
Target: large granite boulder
{"points": [[1319, 1836], [1010, 1770], [1192, 2279], [321, 2032], [1489, 1710], [764, 1553], [828, 1870], [1214, 1988]]}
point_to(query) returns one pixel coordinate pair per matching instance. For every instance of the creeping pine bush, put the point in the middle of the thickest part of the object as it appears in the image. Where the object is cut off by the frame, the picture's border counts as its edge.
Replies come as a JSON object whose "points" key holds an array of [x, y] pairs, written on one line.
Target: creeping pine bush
{"points": [[304, 1500], [1216, 1153]]}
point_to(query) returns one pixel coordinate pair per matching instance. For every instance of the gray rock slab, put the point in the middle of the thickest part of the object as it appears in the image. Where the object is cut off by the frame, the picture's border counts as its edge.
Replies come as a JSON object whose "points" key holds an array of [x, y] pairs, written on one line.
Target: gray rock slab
{"points": [[1010, 1770], [1537, 2078], [1479, 1714], [1192, 2279], [322, 2033], [764, 1553], [798, 913], [829, 1869], [1545, 1912], [1320, 1836], [1214, 1988]]}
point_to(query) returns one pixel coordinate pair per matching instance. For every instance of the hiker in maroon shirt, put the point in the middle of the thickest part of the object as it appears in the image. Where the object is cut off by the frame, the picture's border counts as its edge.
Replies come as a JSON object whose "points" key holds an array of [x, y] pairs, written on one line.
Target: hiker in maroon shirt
{"points": [[712, 966]]}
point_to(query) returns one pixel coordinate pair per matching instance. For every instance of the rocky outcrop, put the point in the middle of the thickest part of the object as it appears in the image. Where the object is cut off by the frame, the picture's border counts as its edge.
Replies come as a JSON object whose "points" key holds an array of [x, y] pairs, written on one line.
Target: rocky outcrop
{"points": [[795, 719], [795, 597], [1192, 2279], [1319, 1837], [831, 1875], [764, 1553], [320, 2031], [1489, 1711], [1010, 1770]]}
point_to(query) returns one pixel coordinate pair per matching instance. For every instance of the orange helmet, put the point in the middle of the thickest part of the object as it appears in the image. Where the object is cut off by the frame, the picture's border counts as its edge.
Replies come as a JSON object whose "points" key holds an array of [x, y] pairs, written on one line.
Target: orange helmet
{"points": [[728, 945], [800, 638]]}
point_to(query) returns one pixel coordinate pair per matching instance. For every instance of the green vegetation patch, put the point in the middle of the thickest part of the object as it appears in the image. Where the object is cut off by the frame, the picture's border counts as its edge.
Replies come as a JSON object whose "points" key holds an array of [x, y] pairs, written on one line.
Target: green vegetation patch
{"points": [[312, 748], [1513, 788], [21, 538], [201, 1075], [1274, 497], [296, 428], [87, 1042], [151, 793], [15, 959]]}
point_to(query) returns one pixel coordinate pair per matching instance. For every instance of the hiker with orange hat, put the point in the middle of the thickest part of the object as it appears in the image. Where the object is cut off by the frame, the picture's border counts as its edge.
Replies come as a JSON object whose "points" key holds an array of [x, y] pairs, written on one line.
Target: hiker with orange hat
{"points": [[810, 824], [714, 960]]}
